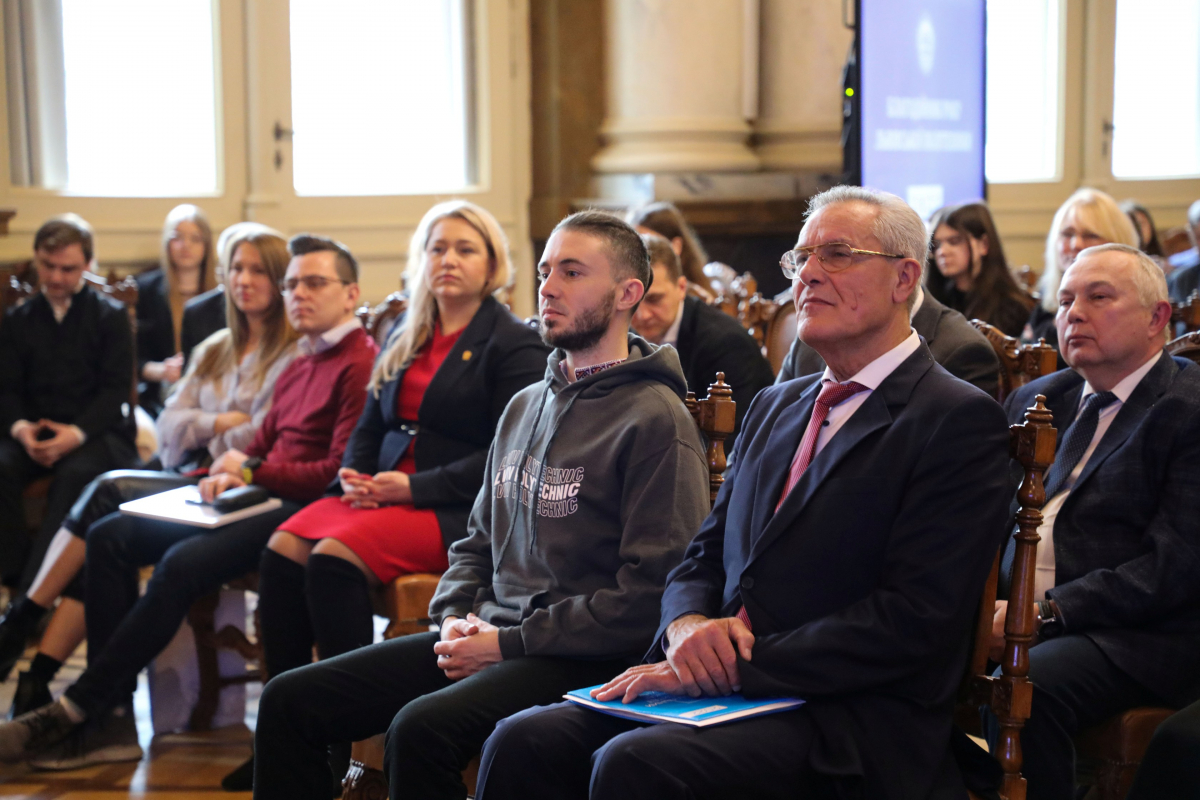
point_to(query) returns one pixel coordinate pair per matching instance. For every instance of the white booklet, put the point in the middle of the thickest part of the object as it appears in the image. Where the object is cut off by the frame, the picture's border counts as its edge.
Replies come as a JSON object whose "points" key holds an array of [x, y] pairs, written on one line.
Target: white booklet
{"points": [[183, 505]]}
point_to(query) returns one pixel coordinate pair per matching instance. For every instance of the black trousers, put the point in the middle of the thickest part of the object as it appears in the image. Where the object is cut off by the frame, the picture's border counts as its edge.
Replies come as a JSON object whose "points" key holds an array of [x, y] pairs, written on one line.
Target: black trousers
{"points": [[565, 751], [1171, 767], [434, 725], [126, 632], [19, 557], [104, 495], [1074, 686]]}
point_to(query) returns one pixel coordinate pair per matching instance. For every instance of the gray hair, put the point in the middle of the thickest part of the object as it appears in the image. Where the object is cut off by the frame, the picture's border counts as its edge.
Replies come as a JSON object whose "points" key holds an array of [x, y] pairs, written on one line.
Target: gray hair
{"points": [[899, 229], [1148, 278]]}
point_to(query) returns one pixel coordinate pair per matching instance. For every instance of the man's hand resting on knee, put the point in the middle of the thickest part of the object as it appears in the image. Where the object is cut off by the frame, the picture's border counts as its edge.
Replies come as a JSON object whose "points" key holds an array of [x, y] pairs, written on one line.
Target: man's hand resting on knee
{"points": [[467, 646], [701, 660]]}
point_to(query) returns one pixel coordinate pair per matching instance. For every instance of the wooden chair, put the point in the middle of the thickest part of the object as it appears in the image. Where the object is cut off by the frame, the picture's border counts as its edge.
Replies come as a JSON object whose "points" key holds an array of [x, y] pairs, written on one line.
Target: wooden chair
{"points": [[1186, 346], [1019, 363], [209, 641], [406, 599], [1009, 695], [781, 330], [379, 320], [1187, 313], [1175, 240]]}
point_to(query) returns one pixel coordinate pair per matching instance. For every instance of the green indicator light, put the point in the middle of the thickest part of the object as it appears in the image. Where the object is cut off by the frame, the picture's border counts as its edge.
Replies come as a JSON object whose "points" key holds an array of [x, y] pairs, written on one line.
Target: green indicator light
{"points": [[849, 93]]}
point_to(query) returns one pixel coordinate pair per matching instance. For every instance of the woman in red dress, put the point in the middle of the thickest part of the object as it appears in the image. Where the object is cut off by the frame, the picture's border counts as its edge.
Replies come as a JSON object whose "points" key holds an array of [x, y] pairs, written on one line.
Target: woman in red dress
{"points": [[416, 459]]}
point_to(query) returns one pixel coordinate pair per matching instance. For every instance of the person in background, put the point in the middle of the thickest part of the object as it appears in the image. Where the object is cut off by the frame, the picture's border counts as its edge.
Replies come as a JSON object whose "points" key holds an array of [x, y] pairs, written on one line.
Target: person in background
{"points": [[968, 271], [668, 222], [1087, 218], [414, 464], [204, 314], [294, 456], [1185, 278], [1143, 223], [218, 405], [66, 360], [708, 340], [188, 268]]}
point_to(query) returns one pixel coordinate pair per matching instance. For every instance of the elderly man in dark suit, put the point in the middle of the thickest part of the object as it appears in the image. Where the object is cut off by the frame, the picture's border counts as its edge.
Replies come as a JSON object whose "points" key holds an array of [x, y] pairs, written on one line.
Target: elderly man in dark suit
{"points": [[1118, 568], [953, 342], [708, 340], [841, 563]]}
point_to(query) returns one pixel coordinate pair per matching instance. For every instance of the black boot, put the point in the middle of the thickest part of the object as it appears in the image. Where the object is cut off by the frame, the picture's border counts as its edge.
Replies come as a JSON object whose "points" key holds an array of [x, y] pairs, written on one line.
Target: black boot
{"points": [[32, 692], [19, 622]]}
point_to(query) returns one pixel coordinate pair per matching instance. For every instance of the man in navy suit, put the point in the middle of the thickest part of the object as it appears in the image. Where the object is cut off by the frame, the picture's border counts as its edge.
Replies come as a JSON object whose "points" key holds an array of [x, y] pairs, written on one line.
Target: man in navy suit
{"points": [[1118, 566], [841, 563]]}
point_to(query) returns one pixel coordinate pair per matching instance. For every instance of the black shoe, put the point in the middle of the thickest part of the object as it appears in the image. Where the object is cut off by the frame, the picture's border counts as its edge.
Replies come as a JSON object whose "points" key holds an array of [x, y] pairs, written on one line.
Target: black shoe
{"points": [[31, 693], [31, 733], [241, 779], [109, 738]]}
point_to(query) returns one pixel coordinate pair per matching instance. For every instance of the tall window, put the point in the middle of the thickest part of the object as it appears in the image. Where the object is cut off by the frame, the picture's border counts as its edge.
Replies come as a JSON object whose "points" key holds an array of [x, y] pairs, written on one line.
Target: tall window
{"points": [[140, 97], [1156, 89], [1023, 87], [380, 101]]}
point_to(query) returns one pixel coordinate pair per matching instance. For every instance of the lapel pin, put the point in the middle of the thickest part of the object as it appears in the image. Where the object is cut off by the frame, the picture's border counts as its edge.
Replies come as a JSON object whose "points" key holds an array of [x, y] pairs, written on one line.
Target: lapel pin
{"points": [[466, 355]]}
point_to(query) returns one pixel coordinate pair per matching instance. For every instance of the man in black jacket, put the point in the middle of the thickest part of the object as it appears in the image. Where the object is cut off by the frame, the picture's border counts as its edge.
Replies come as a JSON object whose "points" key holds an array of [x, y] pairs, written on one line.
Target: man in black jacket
{"points": [[1118, 569], [66, 362], [963, 351], [708, 340]]}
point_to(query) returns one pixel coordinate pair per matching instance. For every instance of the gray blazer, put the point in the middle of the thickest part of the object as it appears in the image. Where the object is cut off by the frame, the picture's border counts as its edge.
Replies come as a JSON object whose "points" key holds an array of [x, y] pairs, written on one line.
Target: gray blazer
{"points": [[961, 350]]}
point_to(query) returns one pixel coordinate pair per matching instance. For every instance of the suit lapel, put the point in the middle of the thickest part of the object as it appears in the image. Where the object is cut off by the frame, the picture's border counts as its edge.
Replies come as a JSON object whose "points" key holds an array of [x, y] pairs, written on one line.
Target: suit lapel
{"points": [[466, 350], [873, 415], [778, 453], [685, 341], [1151, 387]]}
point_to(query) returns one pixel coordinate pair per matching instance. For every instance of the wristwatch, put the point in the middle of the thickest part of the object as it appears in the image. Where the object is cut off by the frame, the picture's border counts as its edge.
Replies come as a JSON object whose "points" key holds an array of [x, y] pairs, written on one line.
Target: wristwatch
{"points": [[1050, 624], [248, 467]]}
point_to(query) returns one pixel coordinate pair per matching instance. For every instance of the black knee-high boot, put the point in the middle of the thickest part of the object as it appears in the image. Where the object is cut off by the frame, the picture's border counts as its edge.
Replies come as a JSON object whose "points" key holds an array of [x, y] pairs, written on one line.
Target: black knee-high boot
{"points": [[339, 604], [287, 633]]}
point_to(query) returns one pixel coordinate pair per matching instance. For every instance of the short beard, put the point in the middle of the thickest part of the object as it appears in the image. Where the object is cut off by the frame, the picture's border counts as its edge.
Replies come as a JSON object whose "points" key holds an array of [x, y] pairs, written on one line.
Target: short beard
{"points": [[587, 331]]}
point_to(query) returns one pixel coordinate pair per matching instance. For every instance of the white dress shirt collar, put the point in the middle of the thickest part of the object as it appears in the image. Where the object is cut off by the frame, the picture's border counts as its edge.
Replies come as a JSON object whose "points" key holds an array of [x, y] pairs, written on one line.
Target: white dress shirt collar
{"points": [[874, 373], [1126, 385], [672, 335], [330, 338]]}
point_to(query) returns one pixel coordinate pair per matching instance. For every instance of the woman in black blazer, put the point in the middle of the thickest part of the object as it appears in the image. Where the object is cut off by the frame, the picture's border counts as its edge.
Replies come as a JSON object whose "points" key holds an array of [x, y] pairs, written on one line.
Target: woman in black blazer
{"points": [[416, 459], [188, 268]]}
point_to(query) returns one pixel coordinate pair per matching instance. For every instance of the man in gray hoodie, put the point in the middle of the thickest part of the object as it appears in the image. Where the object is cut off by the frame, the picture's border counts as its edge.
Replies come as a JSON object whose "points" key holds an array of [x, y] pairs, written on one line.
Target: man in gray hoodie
{"points": [[595, 483]]}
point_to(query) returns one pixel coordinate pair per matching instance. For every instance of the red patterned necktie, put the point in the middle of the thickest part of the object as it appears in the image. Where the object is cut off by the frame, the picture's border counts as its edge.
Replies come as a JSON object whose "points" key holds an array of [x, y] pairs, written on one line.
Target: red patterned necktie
{"points": [[832, 394]]}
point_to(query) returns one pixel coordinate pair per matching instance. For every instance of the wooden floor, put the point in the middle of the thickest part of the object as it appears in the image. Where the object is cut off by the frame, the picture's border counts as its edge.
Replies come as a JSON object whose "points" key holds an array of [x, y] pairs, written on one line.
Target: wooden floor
{"points": [[176, 766]]}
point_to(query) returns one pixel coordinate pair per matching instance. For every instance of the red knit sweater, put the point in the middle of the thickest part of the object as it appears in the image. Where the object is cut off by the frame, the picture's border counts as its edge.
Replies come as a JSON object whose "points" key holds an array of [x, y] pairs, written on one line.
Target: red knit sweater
{"points": [[316, 405]]}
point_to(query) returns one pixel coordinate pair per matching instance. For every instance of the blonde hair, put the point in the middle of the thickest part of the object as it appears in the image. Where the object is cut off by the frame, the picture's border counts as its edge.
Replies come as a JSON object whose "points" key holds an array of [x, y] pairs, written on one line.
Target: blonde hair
{"points": [[218, 354], [186, 213], [418, 324], [1100, 214]]}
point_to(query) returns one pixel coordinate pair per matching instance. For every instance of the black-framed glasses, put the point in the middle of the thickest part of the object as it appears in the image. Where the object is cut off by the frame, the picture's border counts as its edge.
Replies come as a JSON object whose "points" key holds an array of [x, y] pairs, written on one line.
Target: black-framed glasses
{"points": [[834, 257], [314, 283]]}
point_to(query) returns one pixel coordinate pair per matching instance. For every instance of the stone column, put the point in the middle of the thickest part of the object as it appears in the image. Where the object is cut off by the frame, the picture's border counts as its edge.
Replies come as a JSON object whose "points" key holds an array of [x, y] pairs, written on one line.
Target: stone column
{"points": [[677, 86], [804, 46]]}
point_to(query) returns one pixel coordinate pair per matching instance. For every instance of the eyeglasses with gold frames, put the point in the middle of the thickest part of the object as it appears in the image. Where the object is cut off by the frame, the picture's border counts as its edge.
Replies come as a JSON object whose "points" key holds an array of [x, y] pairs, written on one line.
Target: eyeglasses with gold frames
{"points": [[834, 257]]}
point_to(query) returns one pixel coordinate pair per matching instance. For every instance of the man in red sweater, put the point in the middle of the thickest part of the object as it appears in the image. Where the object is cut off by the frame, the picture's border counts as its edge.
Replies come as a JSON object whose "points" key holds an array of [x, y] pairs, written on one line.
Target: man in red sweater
{"points": [[295, 455]]}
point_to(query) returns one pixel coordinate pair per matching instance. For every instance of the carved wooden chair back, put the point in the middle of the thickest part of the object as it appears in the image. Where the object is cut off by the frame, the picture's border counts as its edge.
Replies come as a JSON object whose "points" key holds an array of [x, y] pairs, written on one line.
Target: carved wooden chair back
{"points": [[1019, 363], [1175, 240], [781, 330], [1031, 444], [380, 320], [1186, 346], [1187, 313]]}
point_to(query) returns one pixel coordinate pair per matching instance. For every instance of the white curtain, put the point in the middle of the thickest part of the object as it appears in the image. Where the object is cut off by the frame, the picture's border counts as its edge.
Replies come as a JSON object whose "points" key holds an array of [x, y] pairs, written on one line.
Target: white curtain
{"points": [[37, 116]]}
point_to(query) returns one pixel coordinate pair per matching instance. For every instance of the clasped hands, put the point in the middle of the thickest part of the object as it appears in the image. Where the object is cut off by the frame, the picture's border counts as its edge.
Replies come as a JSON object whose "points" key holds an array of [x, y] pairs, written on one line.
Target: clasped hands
{"points": [[701, 660], [48, 451], [361, 490], [467, 646]]}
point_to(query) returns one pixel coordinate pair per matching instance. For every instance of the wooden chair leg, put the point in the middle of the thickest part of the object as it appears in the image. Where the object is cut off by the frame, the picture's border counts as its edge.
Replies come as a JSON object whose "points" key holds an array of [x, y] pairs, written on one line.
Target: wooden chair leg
{"points": [[201, 616]]}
